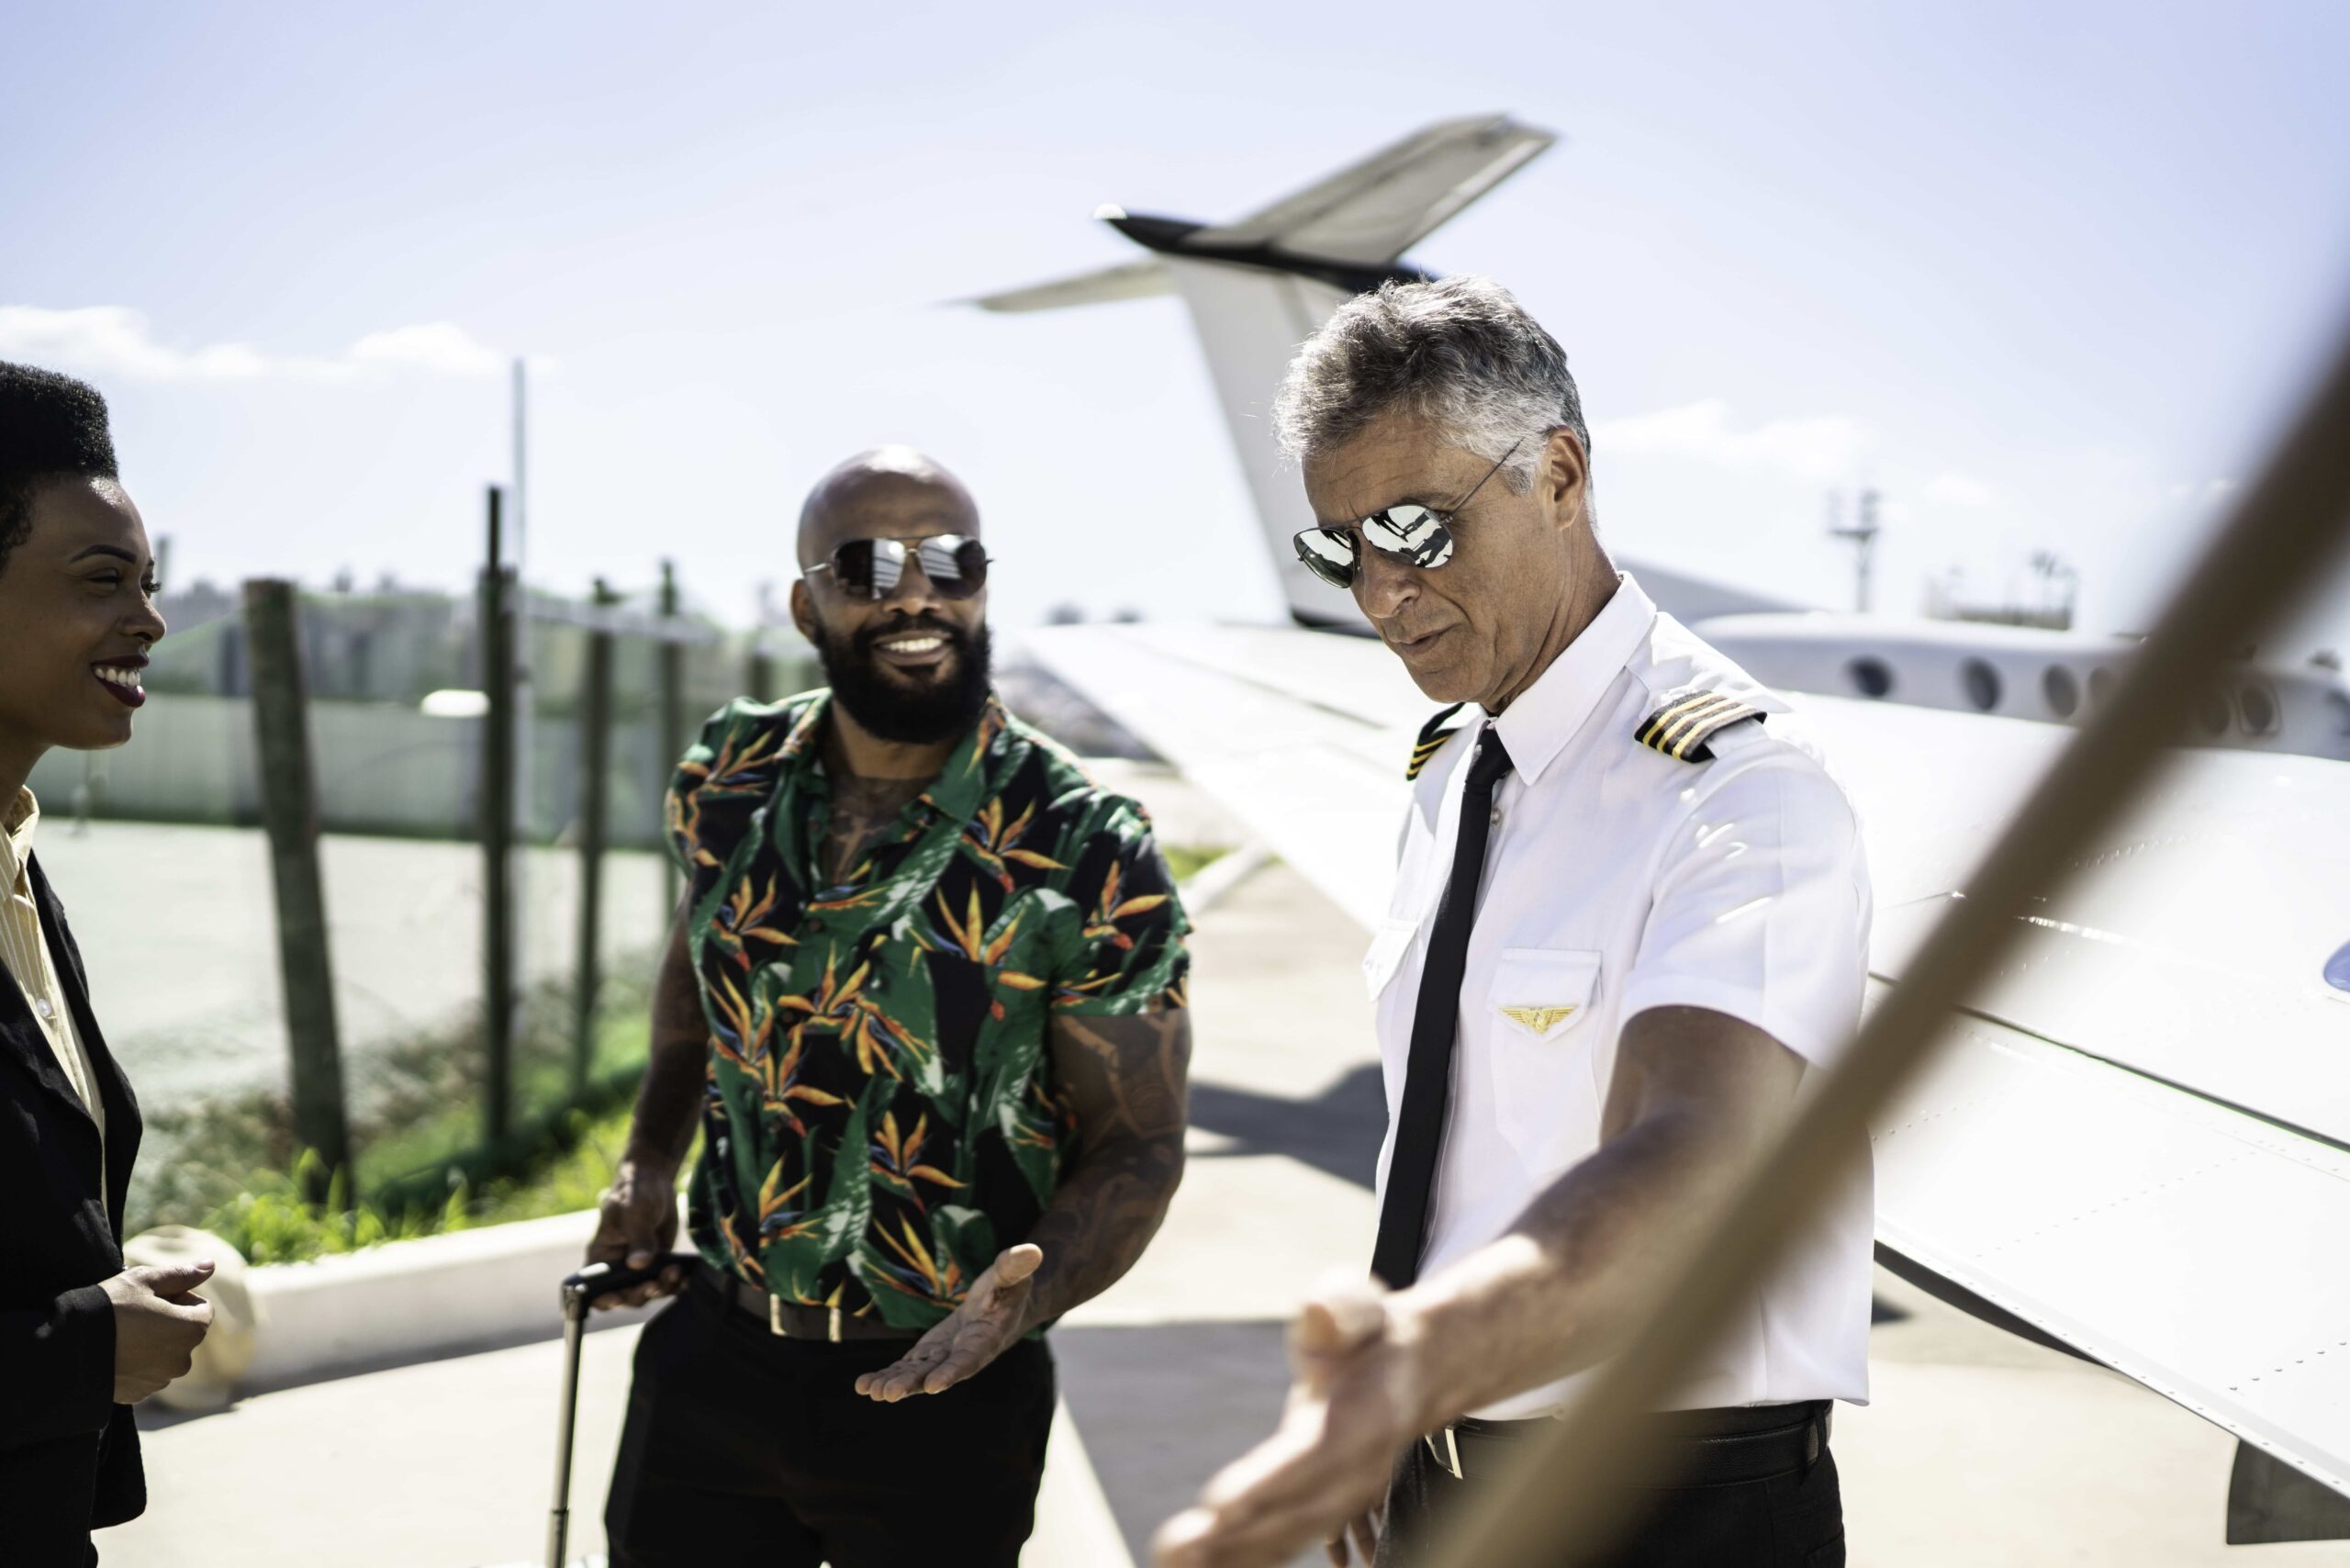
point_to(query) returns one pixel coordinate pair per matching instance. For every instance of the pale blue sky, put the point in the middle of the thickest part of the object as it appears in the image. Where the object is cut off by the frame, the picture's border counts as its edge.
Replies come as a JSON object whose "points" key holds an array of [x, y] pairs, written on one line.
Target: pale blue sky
{"points": [[2046, 274]]}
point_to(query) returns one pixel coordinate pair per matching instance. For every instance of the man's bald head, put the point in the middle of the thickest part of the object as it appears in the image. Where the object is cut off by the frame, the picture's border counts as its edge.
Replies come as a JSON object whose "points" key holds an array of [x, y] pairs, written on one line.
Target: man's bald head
{"points": [[908, 661], [890, 492]]}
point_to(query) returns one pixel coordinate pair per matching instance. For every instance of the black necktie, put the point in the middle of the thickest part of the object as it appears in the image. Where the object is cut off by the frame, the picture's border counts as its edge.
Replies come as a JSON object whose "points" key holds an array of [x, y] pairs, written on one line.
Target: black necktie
{"points": [[1436, 1020]]}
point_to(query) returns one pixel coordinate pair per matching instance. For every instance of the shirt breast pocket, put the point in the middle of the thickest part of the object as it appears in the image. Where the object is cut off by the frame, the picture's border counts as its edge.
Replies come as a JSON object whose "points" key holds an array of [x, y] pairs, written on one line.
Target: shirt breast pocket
{"points": [[1545, 1081], [1388, 945]]}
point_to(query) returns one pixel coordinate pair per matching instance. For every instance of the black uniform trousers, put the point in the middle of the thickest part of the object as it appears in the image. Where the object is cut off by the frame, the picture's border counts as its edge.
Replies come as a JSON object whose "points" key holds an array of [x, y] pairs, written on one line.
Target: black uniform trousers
{"points": [[741, 1446], [1794, 1519]]}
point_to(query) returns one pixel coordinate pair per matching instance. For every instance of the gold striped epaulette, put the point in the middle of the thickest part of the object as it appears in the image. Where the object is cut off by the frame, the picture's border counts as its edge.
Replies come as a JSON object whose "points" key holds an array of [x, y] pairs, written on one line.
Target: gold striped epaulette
{"points": [[1433, 734], [1684, 721]]}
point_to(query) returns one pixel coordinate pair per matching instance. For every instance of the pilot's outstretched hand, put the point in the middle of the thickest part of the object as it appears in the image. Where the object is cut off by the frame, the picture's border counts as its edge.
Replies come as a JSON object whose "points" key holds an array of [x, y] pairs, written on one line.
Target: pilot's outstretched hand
{"points": [[1356, 1398]]}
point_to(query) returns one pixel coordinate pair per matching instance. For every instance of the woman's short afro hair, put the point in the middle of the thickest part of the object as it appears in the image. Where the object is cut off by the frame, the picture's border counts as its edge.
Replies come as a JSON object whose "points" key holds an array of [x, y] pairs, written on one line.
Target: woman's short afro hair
{"points": [[51, 425]]}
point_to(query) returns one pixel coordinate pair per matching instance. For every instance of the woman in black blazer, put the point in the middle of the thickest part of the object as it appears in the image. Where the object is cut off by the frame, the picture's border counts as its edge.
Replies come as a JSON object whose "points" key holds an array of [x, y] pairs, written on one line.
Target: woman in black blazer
{"points": [[81, 1338]]}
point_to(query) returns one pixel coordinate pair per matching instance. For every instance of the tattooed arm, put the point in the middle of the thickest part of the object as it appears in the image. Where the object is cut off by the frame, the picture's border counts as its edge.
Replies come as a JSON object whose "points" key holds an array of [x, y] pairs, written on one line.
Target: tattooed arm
{"points": [[1123, 1078]]}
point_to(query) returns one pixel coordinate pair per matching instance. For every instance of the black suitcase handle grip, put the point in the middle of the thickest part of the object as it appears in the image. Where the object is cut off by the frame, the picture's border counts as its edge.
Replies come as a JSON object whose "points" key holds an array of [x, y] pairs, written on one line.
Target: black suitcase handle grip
{"points": [[598, 1281]]}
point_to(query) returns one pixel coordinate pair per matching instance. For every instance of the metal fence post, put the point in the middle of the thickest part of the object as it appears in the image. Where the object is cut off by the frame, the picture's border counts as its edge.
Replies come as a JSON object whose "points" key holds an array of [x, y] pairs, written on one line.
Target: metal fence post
{"points": [[595, 789], [290, 814], [496, 834], [669, 656]]}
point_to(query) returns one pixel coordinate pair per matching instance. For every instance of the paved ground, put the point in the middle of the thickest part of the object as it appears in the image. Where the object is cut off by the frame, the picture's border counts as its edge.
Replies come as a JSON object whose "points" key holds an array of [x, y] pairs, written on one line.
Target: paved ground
{"points": [[1978, 1448]]}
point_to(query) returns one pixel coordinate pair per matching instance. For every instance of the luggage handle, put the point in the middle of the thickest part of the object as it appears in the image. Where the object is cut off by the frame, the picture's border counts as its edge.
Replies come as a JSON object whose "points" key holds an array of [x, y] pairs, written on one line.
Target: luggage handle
{"points": [[581, 1291], [593, 1283]]}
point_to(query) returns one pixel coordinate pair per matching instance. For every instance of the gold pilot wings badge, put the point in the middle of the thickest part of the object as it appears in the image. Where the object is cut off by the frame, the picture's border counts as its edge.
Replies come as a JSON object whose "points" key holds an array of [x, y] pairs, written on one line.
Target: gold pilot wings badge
{"points": [[1683, 723], [1541, 1020]]}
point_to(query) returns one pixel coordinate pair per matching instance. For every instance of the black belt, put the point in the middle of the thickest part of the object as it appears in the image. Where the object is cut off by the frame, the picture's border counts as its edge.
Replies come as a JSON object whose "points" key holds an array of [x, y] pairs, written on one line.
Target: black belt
{"points": [[790, 1320], [1695, 1448]]}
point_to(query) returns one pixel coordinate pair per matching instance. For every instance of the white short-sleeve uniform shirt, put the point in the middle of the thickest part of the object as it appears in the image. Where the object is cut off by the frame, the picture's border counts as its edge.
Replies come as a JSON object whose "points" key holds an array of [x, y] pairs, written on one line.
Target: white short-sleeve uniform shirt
{"points": [[1617, 880]]}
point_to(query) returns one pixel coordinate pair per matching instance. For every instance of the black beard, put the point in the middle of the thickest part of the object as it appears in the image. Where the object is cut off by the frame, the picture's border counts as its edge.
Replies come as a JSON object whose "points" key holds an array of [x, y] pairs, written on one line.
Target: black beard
{"points": [[885, 706]]}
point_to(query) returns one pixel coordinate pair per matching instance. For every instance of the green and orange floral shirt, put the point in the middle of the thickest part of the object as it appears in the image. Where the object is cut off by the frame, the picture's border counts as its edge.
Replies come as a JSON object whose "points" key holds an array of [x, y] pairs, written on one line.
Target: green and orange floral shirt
{"points": [[879, 1120]]}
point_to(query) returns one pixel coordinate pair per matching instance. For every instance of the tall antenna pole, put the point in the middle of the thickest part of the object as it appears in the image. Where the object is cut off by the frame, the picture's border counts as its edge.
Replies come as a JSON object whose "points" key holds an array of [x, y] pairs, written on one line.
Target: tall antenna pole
{"points": [[1862, 533], [519, 489]]}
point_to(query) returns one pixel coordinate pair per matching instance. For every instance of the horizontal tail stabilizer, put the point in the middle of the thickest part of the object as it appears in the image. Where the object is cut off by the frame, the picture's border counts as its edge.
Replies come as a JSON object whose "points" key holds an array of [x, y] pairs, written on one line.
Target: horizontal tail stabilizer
{"points": [[1130, 280]]}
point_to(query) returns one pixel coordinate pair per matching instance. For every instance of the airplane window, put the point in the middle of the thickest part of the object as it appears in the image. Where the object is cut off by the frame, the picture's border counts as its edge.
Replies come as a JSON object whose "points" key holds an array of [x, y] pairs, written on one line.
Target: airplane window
{"points": [[2101, 685], [2064, 693], [2337, 969], [2211, 713], [2258, 705], [1982, 683], [1871, 676]]}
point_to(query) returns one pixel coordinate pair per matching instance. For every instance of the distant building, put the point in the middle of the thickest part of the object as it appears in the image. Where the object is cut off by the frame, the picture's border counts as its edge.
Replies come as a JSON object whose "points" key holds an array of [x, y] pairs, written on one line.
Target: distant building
{"points": [[396, 645], [2059, 584]]}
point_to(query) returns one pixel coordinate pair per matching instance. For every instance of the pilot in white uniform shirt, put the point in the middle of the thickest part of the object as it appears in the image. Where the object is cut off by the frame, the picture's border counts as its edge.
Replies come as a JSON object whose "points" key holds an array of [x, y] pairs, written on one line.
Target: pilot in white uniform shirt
{"points": [[1619, 877]]}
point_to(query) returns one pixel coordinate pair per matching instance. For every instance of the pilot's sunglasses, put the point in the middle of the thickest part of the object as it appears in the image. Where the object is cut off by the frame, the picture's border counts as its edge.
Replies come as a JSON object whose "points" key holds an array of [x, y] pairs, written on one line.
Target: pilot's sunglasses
{"points": [[872, 569], [1410, 533]]}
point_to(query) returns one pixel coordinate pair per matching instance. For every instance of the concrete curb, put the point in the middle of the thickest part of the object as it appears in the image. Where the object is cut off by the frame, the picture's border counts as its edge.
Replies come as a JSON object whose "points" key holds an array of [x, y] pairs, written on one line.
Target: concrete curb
{"points": [[422, 1300], [1214, 881]]}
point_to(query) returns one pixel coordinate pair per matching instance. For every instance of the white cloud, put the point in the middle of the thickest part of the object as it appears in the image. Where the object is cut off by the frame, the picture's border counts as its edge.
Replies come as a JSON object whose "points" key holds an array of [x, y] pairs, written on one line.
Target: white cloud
{"points": [[437, 346], [1958, 490], [1820, 447], [114, 341]]}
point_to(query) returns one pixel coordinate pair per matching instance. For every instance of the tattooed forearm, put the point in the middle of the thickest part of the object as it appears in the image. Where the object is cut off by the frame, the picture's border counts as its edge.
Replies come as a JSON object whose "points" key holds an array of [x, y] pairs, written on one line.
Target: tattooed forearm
{"points": [[1124, 1080], [669, 1103]]}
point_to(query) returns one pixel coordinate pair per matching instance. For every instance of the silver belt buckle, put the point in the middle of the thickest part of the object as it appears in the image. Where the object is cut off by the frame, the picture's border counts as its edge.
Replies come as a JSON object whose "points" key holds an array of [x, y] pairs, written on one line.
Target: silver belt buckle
{"points": [[775, 1321], [1449, 1455]]}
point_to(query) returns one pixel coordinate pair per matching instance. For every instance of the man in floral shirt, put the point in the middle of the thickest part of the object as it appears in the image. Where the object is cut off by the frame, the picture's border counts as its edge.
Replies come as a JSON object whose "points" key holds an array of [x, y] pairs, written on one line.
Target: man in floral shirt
{"points": [[924, 1002]]}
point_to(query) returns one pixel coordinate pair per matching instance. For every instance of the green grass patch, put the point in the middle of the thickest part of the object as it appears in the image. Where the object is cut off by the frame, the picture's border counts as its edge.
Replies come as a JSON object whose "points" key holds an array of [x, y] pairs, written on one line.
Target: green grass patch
{"points": [[232, 1166], [1184, 861], [271, 1223]]}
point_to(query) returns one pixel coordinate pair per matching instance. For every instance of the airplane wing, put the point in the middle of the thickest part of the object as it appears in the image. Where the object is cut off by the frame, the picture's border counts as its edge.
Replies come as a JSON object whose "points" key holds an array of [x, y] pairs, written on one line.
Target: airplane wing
{"points": [[2136, 1139]]}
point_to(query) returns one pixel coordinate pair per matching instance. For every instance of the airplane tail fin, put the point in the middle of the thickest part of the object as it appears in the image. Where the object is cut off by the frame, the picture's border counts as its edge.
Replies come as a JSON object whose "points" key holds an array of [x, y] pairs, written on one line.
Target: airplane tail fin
{"points": [[1262, 284]]}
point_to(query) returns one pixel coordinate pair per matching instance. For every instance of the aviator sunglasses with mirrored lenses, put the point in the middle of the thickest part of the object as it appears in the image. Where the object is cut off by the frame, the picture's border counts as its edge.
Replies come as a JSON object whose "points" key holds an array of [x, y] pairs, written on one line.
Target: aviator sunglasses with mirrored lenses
{"points": [[872, 569], [1410, 533]]}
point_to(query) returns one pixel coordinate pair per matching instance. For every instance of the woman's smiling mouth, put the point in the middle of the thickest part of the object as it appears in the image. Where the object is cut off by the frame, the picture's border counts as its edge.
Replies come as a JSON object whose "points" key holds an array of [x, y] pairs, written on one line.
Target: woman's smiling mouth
{"points": [[121, 682]]}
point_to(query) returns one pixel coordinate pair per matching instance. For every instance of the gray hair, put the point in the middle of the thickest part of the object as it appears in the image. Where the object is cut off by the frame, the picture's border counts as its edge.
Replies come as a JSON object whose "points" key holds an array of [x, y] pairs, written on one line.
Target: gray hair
{"points": [[1460, 353]]}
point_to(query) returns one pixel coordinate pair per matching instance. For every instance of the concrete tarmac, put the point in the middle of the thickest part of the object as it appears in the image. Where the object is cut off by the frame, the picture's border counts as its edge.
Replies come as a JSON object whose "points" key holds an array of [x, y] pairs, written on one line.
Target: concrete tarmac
{"points": [[1978, 1448]]}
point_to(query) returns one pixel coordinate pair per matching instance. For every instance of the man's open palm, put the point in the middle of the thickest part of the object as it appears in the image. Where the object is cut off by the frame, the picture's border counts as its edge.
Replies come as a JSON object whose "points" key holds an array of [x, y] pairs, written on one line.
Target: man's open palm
{"points": [[993, 1316]]}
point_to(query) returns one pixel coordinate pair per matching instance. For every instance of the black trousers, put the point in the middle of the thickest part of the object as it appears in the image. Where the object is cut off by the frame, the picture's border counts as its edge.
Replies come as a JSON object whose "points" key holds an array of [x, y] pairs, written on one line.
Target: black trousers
{"points": [[1792, 1520], [741, 1447]]}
